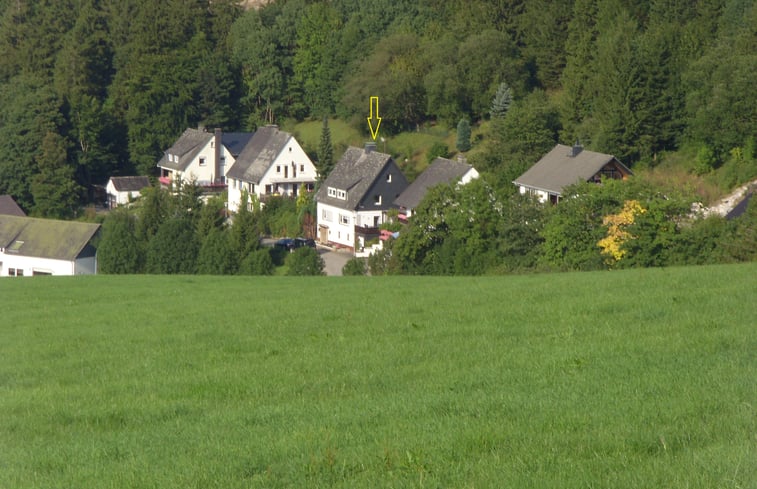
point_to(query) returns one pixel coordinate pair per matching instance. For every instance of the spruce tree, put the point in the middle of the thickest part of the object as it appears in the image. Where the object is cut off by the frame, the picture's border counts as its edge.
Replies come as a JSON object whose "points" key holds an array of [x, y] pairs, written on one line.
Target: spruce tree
{"points": [[325, 152], [501, 102], [463, 136]]}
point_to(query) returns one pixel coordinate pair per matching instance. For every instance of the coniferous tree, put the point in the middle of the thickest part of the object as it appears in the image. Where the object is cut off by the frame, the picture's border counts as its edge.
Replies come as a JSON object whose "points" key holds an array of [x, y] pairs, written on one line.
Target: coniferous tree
{"points": [[119, 250], [463, 136], [325, 152], [501, 102], [56, 193]]}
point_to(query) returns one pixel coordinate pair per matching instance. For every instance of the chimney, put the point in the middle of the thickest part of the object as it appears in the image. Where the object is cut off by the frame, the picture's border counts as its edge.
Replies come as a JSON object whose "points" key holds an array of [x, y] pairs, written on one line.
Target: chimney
{"points": [[370, 147], [217, 136], [576, 149]]}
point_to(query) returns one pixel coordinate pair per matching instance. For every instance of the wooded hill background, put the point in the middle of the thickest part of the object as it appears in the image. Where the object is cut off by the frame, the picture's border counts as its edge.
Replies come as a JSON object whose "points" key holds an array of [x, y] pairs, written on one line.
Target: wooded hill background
{"points": [[94, 88]]}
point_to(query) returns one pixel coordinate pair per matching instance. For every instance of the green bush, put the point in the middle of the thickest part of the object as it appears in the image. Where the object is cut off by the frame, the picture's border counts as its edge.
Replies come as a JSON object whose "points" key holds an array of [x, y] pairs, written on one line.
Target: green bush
{"points": [[356, 266], [304, 261]]}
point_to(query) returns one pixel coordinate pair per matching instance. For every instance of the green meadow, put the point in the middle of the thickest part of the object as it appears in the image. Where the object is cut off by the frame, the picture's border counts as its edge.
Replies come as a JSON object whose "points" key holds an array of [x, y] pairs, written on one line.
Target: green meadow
{"points": [[642, 378]]}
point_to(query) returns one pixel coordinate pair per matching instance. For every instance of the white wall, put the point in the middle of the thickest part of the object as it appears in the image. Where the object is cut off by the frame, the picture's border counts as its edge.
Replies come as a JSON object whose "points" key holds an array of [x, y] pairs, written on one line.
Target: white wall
{"points": [[329, 216], [29, 264]]}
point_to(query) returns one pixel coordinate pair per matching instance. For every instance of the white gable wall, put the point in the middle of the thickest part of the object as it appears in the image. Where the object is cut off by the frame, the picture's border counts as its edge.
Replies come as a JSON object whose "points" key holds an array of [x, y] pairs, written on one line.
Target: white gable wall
{"points": [[205, 174]]}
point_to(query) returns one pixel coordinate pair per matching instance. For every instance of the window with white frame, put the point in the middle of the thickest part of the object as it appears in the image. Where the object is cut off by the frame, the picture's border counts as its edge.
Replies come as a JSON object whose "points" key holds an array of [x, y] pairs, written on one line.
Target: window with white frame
{"points": [[341, 194], [332, 192], [203, 162], [344, 219], [388, 178], [377, 200], [326, 215]]}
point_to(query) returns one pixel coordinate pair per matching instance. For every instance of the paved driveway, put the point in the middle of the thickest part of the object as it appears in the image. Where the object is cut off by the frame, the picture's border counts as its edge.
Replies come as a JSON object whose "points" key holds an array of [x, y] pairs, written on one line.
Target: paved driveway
{"points": [[334, 260]]}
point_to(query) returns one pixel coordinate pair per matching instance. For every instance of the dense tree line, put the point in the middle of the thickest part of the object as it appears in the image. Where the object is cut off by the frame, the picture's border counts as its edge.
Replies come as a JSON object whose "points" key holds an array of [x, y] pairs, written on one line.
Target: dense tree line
{"points": [[475, 229], [165, 233], [94, 88], [112, 83]]}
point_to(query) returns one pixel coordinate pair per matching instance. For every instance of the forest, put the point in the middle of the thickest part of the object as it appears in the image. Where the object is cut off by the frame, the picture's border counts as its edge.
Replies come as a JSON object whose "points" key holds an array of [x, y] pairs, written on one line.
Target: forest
{"points": [[95, 88]]}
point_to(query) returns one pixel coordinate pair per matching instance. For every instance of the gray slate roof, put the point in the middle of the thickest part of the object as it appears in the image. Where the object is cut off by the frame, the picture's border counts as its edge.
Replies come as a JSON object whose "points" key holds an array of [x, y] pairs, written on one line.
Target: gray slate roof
{"points": [[259, 154], [235, 141], [440, 171], [130, 184], [355, 172], [558, 169], [45, 238], [9, 207], [186, 148]]}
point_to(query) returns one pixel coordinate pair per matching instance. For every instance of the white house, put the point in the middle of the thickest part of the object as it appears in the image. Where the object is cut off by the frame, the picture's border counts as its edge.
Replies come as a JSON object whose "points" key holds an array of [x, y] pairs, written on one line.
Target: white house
{"points": [[122, 190], [565, 166], [440, 171], [30, 246], [354, 200], [272, 163], [201, 157]]}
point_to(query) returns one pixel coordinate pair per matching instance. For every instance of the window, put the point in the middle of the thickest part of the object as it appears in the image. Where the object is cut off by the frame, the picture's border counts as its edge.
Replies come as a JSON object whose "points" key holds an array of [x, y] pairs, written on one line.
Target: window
{"points": [[388, 178], [302, 168], [202, 161], [344, 219], [278, 168], [326, 215], [212, 144], [11, 272], [332, 192], [377, 200], [19, 272], [341, 194]]}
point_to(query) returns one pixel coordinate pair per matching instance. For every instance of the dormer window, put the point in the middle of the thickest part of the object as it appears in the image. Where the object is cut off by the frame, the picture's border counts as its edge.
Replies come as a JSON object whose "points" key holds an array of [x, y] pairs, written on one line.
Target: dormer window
{"points": [[388, 178], [341, 194], [332, 192], [377, 200]]}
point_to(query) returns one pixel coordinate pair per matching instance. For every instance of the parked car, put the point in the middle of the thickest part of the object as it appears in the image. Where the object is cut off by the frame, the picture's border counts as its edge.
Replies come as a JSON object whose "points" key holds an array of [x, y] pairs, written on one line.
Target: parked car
{"points": [[291, 244]]}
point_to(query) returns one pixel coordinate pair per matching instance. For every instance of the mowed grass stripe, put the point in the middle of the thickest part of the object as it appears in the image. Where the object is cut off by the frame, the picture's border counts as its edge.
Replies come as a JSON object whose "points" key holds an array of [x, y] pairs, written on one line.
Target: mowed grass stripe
{"points": [[644, 378]]}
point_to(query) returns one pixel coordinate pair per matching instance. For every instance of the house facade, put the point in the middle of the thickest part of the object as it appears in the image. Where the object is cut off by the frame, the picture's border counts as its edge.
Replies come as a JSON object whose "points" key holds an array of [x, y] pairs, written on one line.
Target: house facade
{"points": [[355, 198], [272, 163], [565, 166], [441, 171], [30, 246], [201, 157], [122, 190]]}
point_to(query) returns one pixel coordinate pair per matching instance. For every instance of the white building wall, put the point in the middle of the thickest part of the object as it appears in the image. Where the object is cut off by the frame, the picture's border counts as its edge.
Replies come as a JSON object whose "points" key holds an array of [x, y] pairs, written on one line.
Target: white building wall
{"points": [[542, 195], [340, 223], [31, 264]]}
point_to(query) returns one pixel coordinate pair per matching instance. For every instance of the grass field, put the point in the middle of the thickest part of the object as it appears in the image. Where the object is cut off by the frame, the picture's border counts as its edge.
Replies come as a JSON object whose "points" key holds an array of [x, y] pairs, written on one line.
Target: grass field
{"points": [[644, 378]]}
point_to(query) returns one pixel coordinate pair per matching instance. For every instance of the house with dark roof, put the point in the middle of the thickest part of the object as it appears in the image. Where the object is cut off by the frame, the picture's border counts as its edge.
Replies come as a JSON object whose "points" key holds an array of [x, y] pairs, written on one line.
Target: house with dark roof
{"points": [[565, 166], [355, 198], [122, 190], [272, 163], [441, 171], [9, 207], [30, 246], [201, 157]]}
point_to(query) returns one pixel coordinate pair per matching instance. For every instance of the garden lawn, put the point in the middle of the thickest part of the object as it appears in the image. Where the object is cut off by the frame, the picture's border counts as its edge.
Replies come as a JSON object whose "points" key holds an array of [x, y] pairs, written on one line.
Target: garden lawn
{"points": [[643, 378]]}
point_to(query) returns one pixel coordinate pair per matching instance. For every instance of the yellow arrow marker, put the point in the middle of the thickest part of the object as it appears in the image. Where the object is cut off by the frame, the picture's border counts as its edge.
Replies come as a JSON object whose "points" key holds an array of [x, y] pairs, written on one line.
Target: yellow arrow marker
{"points": [[374, 120]]}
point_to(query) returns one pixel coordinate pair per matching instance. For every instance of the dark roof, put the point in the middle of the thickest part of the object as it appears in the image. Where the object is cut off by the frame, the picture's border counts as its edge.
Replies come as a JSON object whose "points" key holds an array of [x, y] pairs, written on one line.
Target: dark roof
{"points": [[441, 170], [355, 172], [235, 141], [45, 238], [259, 154], [186, 148], [559, 169], [130, 184], [9, 207]]}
